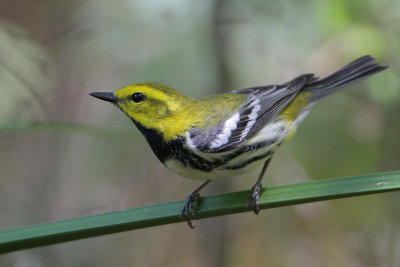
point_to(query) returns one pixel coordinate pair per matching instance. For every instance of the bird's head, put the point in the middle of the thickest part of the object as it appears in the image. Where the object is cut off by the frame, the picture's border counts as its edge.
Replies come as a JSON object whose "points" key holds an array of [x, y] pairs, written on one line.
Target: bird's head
{"points": [[152, 105]]}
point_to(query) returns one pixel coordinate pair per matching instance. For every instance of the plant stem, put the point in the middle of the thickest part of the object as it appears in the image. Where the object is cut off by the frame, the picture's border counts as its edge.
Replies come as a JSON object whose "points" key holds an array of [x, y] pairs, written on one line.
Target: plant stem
{"points": [[208, 206]]}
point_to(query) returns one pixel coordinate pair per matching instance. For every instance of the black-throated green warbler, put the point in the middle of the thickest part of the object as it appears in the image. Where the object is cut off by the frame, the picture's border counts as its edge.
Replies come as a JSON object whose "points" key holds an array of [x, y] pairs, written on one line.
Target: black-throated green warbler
{"points": [[227, 134]]}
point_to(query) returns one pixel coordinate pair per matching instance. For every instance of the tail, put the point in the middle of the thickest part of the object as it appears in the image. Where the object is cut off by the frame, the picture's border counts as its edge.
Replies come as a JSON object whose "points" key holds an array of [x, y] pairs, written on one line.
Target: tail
{"points": [[355, 71]]}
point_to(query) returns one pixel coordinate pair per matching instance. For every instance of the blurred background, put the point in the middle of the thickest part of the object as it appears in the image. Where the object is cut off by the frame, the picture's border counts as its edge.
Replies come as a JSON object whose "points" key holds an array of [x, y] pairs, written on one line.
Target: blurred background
{"points": [[91, 158]]}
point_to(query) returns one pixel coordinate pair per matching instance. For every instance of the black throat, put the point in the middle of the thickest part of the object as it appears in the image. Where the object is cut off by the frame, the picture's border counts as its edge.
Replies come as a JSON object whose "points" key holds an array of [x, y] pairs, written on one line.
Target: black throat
{"points": [[162, 149]]}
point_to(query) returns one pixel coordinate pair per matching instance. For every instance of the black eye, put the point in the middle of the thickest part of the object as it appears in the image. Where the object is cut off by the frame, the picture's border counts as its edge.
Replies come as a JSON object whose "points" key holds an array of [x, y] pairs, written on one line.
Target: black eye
{"points": [[137, 97]]}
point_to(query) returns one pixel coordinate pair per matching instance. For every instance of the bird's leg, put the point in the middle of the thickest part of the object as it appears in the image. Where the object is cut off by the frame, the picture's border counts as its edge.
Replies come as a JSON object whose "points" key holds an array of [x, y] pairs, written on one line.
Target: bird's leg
{"points": [[252, 202], [189, 211]]}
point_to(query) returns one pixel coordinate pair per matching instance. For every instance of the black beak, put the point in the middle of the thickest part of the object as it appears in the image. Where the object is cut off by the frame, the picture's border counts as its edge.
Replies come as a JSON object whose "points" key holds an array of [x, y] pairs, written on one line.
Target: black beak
{"points": [[106, 96]]}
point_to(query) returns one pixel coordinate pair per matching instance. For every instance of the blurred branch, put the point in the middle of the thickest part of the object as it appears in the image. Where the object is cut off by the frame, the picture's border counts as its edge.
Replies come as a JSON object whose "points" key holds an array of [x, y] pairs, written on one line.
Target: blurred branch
{"points": [[210, 206], [6, 127], [220, 40]]}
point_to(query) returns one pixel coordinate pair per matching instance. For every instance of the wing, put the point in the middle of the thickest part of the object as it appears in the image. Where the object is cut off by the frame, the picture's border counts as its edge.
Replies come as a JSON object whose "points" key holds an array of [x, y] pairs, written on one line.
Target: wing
{"points": [[262, 105]]}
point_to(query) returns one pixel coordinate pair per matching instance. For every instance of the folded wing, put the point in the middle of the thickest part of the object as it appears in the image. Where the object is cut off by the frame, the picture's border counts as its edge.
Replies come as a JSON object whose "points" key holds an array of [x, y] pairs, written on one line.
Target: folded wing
{"points": [[262, 105]]}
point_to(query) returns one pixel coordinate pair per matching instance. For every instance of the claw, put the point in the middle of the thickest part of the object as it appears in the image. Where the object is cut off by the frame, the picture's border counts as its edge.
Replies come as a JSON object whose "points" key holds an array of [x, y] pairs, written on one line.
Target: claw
{"points": [[252, 201], [188, 212]]}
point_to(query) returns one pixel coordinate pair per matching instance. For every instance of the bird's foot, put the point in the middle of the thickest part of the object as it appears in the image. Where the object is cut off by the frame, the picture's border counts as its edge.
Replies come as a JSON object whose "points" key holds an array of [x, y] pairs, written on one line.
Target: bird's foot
{"points": [[188, 211], [252, 202]]}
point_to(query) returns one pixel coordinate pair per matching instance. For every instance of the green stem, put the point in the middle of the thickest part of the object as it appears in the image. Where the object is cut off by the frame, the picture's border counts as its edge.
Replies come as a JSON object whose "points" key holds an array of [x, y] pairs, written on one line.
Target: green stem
{"points": [[209, 206]]}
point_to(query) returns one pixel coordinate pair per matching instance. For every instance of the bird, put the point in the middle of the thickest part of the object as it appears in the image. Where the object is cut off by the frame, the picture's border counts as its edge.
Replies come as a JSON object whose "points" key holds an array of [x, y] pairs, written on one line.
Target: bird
{"points": [[225, 135]]}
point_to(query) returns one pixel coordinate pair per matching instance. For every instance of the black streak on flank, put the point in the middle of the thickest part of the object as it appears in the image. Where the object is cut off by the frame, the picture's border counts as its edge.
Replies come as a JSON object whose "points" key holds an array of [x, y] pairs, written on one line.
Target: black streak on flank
{"points": [[247, 162], [175, 149]]}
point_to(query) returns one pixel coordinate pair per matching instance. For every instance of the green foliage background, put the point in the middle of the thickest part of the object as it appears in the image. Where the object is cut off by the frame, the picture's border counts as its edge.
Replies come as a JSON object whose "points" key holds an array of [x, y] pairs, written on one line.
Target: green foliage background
{"points": [[92, 159]]}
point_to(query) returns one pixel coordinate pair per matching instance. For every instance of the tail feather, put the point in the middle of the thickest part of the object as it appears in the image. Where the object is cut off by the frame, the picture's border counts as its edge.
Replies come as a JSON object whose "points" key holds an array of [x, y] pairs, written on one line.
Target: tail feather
{"points": [[355, 71]]}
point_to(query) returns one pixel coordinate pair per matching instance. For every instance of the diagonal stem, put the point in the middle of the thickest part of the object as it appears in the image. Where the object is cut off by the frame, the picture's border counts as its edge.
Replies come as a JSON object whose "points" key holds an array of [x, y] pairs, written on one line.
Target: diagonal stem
{"points": [[210, 206]]}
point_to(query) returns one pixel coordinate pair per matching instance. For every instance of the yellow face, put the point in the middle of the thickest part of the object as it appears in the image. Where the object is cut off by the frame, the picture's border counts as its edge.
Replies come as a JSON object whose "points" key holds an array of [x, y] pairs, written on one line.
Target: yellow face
{"points": [[143, 102], [154, 106]]}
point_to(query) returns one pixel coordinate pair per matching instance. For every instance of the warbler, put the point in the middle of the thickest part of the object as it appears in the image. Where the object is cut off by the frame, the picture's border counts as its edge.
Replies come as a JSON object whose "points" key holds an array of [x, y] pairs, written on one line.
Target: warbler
{"points": [[225, 135]]}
